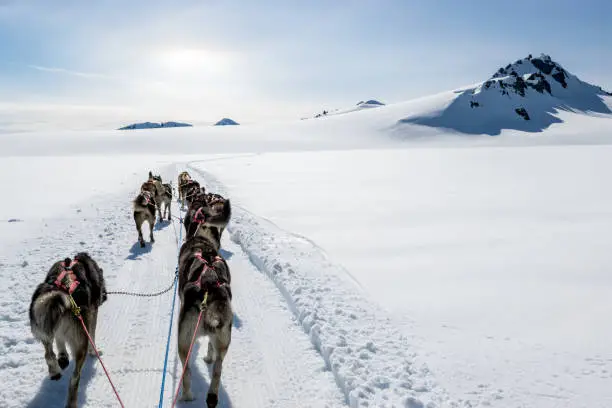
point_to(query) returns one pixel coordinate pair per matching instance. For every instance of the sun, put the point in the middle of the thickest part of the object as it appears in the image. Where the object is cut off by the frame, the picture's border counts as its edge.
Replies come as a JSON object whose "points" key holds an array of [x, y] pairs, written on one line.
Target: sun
{"points": [[192, 59]]}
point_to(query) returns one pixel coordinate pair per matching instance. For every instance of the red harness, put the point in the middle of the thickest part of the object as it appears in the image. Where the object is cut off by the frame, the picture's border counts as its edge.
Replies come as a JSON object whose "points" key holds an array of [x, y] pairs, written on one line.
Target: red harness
{"points": [[199, 217], [206, 268], [147, 195], [67, 279]]}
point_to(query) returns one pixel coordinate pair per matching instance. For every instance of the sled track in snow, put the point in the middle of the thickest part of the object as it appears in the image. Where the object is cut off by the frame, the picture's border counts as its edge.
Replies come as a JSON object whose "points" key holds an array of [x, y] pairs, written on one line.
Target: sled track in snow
{"points": [[270, 362], [371, 361]]}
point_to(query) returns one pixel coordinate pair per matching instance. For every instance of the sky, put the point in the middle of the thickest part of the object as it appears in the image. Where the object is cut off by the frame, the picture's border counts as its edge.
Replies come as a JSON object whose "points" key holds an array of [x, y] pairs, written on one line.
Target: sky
{"points": [[80, 64]]}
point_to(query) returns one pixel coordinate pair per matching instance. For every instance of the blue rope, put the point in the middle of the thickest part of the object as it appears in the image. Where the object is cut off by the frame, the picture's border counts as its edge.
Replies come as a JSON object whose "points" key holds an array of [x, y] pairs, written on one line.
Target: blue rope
{"points": [[161, 392]]}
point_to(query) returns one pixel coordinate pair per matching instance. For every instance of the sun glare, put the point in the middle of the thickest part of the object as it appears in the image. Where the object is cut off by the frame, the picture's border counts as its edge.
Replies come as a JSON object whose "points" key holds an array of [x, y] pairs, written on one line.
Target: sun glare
{"points": [[192, 59]]}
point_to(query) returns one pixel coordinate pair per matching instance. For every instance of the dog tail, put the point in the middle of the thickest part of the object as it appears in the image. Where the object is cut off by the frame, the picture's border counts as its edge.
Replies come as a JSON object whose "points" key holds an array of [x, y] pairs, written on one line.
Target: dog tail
{"points": [[218, 314], [46, 312]]}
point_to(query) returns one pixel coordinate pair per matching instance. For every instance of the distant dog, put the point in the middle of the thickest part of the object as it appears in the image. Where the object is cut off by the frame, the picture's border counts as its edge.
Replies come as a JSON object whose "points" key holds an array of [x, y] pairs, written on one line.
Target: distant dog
{"points": [[219, 205], [51, 317], [158, 188], [144, 210], [192, 190], [204, 282], [183, 178], [166, 200], [206, 219]]}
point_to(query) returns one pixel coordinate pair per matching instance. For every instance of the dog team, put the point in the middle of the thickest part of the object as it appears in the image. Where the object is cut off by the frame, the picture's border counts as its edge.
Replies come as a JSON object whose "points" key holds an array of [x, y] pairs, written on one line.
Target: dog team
{"points": [[203, 284]]}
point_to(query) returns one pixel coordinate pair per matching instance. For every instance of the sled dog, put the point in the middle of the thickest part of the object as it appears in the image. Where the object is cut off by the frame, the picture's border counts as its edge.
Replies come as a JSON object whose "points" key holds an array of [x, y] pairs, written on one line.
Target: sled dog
{"points": [[52, 317], [204, 284]]}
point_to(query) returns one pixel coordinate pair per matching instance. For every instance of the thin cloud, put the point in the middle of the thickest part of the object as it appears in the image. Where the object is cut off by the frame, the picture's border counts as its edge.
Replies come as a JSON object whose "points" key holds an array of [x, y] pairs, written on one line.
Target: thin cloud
{"points": [[89, 75]]}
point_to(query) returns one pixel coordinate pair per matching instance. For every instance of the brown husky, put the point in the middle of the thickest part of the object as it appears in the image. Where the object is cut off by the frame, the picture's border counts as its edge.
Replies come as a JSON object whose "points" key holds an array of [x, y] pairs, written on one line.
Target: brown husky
{"points": [[155, 186], [51, 317], [183, 178]]}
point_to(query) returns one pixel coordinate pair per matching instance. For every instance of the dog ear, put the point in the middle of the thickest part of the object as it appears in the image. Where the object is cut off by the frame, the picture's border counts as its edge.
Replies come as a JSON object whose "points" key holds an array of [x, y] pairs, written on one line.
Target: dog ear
{"points": [[150, 174]]}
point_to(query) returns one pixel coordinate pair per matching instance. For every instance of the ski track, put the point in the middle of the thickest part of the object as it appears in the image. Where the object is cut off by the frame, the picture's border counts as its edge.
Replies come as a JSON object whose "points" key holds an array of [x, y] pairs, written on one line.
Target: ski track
{"points": [[372, 361], [270, 363]]}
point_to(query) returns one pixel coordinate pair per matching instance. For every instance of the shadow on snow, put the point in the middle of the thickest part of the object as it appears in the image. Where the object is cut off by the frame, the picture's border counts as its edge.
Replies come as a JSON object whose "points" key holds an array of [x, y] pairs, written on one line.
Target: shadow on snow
{"points": [[54, 393]]}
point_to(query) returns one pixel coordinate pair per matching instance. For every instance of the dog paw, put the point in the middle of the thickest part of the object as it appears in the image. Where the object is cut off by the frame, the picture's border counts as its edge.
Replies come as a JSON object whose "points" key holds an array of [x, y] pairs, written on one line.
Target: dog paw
{"points": [[55, 377], [92, 352], [187, 396], [142, 244], [152, 239], [208, 359], [212, 400], [63, 361]]}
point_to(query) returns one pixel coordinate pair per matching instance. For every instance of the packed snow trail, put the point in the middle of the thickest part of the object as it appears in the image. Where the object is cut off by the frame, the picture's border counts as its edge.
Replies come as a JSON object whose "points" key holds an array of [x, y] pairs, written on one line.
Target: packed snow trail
{"points": [[271, 363], [371, 359]]}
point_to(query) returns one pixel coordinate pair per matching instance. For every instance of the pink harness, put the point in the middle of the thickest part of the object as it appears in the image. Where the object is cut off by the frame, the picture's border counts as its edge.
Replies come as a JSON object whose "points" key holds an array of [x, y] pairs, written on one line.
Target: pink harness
{"points": [[67, 279], [199, 217], [206, 268], [147, 196]]}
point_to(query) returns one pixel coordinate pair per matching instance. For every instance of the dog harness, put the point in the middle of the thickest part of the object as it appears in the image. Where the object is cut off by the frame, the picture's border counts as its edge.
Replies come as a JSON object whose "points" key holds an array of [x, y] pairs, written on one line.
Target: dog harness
{"points": [[199, 216], [67, 279], [147, 195], [205, 268]]}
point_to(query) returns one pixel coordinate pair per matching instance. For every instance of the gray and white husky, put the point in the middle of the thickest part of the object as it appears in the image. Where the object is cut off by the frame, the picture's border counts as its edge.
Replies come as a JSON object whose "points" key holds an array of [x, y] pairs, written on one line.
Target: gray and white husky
{"points": [[144, 210], [204, 282], [51, 316]]}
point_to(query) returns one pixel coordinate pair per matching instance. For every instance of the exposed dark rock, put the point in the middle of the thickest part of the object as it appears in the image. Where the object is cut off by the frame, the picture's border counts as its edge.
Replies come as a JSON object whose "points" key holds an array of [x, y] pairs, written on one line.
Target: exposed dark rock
{"points": [[542, 85], [474, 104], [519, 86], [560, 78], [522, 112], [546, 66]]}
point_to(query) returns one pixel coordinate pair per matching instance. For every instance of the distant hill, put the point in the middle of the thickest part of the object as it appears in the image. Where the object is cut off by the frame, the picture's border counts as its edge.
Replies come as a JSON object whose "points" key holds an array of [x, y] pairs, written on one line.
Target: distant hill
{"points": [[226, 122], [152, 125], [371, 103]]}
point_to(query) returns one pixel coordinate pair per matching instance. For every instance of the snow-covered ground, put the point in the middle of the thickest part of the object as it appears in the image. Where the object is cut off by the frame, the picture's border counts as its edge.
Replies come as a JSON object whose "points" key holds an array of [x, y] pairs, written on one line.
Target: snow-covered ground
{"points": [[495, 261], [375, 263]]}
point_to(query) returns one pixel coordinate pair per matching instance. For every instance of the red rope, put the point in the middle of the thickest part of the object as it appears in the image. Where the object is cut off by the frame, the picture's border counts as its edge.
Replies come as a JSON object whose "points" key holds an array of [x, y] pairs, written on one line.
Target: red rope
{"points": [[195, 332], [98, 354]]}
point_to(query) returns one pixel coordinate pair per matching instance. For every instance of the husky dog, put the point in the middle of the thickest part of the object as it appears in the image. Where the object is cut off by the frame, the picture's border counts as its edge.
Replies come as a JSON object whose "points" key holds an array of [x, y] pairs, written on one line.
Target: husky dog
{"points": [[157, 188], [219, 204], [144, 210], [192, 191], [166, 200], [51, 317], [183, 179], [206, 219], [204, 284]]}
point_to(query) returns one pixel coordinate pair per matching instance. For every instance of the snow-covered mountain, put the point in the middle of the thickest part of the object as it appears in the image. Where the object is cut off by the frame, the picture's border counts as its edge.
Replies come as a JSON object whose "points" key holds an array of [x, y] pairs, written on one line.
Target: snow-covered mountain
{"points": [[153, 125], [226, 122], [524, 95], [371, 103]]}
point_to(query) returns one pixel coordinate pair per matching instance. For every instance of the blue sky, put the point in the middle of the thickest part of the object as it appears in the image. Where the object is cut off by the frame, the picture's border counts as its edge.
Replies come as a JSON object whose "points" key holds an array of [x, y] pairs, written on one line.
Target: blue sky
{"points": [[102, 64]]}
